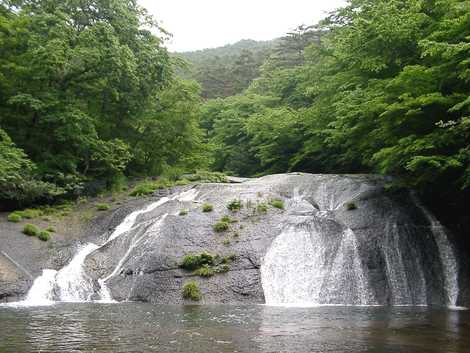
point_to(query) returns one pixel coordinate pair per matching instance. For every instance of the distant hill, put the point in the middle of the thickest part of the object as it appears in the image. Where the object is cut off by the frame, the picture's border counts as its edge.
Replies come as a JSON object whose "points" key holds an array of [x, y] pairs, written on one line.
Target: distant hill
{"points": [[227, 70], [229, 50]]}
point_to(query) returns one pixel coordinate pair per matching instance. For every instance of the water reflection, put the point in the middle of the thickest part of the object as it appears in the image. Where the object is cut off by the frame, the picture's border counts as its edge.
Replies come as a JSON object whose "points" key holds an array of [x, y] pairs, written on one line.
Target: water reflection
{"points": [[146, 328]]}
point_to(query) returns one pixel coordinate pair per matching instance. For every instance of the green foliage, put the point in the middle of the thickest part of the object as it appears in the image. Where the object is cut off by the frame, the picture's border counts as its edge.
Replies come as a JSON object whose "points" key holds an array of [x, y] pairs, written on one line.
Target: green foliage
{"points": [[144, 189], [262, 208], [207, 177], [221, 226], [183, 212], [277, 203], [51, 229], [102, 206], [30, 213], [31, 230], [207, 207], [193, 262], [227, 70], [85, 95], [191, 291], [350, 206], [204, 271], [15, 217], [226, 242], [44, 235], [235, 205]]}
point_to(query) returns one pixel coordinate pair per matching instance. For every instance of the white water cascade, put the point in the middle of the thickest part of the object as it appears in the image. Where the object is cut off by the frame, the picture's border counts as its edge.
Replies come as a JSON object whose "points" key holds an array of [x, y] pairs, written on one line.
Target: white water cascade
{"points": [[72, 284], [317, 260]]}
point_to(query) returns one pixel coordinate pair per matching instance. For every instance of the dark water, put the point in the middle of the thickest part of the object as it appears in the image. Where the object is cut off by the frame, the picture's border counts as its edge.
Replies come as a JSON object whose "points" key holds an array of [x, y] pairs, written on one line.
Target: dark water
{"points": [[146, 328]]}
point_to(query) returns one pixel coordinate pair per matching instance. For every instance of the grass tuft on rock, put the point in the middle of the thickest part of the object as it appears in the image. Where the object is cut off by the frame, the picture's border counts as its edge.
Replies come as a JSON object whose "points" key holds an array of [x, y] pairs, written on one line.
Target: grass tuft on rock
{"points": [[31, 230], [262, 208], [235, 205], [205, 271], [277, 203], [220, 226], [350, 206], [44, 235], [194, 262], [102, 206], [14, 217], [191, 291], [184, 212], [207, 207]]}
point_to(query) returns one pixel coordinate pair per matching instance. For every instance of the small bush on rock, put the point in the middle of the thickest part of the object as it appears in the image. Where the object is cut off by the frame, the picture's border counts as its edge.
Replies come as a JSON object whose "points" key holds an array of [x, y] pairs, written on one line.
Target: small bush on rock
{"points": [[262, 208], [221, 226], [102, 206], [191, 291], [44, 235], [207, 207], [277, 204], [183, 212], [31, 230], [14, 217], [204, 271], [351, 206], [235, 205], [193, 262]]}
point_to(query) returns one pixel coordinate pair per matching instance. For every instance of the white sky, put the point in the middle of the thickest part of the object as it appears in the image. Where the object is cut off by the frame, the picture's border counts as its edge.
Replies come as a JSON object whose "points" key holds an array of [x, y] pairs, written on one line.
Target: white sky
{"points": [[199, 24]]}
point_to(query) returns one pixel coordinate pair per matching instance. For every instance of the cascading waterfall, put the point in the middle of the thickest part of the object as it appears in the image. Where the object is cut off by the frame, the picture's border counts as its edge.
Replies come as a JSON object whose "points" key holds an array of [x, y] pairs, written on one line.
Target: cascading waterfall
{"points": [[72, 284], [318, 261], [446, 253]]}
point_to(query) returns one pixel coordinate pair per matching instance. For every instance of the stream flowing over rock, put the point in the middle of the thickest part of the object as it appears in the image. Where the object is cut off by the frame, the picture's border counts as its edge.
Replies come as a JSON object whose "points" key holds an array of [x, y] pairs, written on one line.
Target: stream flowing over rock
{"points": [[338, 240]]}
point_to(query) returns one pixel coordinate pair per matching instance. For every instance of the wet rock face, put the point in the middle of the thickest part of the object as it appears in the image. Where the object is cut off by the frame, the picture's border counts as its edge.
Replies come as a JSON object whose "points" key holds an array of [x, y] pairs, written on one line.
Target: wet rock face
{"points": [[332, 240]]}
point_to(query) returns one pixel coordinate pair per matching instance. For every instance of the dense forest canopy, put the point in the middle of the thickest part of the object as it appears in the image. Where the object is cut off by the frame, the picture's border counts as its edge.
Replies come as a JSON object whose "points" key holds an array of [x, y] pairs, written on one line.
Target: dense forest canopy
{"points": [[89, 92]]}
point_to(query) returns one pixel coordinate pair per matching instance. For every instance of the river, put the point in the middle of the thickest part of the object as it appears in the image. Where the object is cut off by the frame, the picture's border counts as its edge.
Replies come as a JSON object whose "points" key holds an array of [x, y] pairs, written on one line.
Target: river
{"points": [[133, 327]]}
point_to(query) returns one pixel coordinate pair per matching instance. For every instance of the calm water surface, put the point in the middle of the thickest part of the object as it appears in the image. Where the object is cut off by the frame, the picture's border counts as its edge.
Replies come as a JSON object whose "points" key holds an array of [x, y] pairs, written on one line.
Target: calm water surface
{"points": [[135, 327]]}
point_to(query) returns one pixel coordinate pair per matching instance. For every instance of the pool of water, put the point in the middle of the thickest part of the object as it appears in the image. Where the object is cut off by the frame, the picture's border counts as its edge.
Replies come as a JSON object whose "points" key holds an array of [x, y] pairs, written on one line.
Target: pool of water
{"points": [[132, 327]]}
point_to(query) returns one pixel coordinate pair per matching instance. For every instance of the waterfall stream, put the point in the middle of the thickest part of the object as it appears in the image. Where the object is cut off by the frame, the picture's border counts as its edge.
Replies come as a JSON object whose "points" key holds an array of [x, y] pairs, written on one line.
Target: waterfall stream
{"points": [[72, 284], [318, 261]]}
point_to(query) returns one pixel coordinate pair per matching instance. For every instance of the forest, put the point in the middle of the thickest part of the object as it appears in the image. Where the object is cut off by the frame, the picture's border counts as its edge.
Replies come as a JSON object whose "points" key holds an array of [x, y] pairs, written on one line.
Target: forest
{"points": [[90, 96]]}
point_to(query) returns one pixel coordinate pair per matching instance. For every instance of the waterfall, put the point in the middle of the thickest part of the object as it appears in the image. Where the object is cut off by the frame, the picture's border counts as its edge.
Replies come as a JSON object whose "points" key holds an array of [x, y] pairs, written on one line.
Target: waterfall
{"points": [[446, 253], [72, 284], [300, 269], [317, 260]]}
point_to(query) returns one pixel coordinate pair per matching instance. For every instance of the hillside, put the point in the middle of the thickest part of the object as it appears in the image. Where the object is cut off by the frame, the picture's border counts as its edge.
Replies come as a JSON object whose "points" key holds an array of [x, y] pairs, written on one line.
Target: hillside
{"points": [[227, 70]]}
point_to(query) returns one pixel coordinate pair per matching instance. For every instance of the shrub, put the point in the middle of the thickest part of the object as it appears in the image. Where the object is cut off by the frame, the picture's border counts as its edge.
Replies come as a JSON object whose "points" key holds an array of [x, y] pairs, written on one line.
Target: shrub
{"points": [[102, 206], [44, 235], [14, 217], [262, 208], [228, 219], [204, 271], [207, 207], [31, 230], [30, 213], [183, 212], [182, 182], [191, 291], [235, 205], [277, 203], [224, 268], [193, 262], [143, 189], [351, 206], [208, 177], [221, 226]]}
